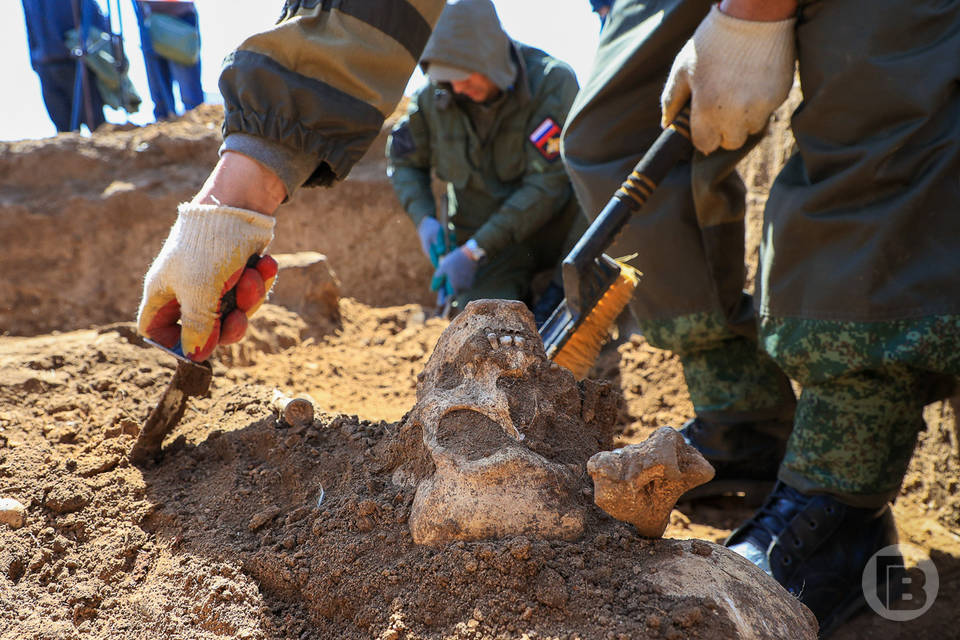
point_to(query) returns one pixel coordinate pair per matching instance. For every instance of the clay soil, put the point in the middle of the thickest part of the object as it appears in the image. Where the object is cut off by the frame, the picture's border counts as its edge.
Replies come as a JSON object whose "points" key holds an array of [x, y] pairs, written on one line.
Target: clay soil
{"points": [[249, 528]]}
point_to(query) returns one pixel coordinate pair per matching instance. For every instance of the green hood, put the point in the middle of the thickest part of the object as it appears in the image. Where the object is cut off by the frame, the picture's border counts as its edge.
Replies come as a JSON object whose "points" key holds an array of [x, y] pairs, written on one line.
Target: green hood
{"points": [[469, 36]]}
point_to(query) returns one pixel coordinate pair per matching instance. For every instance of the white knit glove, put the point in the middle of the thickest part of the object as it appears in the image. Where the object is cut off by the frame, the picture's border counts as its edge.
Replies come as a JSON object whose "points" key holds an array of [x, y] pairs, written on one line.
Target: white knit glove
{"points": [[202, 258], [738, 71]]}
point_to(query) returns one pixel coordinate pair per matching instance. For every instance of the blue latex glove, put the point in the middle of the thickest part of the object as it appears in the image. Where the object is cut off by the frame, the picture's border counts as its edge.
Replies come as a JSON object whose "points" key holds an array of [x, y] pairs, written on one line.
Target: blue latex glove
{"points": [[432, 239], [456, 269]]}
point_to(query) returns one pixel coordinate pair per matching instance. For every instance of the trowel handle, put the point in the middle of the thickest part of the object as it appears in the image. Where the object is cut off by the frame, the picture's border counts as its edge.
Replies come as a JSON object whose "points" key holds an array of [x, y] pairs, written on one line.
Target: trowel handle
{"points": [[228, 302], [670, 147]]}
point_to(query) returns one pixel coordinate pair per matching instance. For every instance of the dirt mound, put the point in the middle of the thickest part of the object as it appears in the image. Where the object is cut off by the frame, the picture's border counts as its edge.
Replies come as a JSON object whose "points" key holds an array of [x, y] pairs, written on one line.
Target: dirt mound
{"points": [[250, 530], [82, 218]]}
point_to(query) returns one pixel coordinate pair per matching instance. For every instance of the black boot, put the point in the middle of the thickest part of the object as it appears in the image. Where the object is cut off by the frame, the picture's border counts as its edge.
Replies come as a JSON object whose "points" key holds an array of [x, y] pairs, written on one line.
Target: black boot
{"points": [[816, 547], [746, 455]]}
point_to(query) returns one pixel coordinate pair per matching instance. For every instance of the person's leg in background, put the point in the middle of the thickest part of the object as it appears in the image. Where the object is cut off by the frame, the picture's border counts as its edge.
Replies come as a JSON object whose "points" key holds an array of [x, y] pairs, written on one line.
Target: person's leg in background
{"points": [[188, 83], [188, 77], [859, 286], [159, 78], [689, 241], [160, 81], [57, 82]]}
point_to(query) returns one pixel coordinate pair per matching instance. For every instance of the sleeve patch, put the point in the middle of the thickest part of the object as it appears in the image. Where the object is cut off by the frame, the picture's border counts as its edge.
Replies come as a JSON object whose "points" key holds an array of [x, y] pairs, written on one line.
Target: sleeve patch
{"points": [[546, 138]]}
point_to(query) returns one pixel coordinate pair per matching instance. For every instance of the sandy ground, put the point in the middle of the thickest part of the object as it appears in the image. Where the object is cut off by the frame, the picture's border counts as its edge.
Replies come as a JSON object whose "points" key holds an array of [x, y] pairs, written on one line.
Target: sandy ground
{"points": [[229, 537]]}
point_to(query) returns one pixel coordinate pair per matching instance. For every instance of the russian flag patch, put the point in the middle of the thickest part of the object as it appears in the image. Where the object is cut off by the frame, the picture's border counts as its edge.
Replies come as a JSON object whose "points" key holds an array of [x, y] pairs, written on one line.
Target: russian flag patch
{"points": [[546, 138]]}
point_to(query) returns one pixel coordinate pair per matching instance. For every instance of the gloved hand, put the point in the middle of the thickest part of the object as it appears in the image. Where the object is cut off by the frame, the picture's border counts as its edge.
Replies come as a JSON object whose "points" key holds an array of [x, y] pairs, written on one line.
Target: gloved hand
{"points": [[432, 239], [738, 71], [457, 269], [204, 256]]}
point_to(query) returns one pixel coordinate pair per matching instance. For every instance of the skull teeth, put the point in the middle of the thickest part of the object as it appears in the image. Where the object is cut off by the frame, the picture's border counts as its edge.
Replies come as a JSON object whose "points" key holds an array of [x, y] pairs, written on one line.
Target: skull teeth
{"points": [[505, 340]]}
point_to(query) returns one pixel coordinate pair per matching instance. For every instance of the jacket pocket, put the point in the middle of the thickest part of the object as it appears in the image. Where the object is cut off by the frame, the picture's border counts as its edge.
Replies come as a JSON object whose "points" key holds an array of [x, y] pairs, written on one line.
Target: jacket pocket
{"points": [[450, 161], [509, 155]]}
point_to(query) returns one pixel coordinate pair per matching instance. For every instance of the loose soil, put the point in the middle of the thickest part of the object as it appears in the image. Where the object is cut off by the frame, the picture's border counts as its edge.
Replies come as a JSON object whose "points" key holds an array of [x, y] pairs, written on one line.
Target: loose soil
{"points": [[251, 529]]}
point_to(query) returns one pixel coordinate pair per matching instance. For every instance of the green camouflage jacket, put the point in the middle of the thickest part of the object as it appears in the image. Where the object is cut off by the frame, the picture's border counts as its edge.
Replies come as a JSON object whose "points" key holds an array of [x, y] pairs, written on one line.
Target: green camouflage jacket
{"points": [[506, 185]]}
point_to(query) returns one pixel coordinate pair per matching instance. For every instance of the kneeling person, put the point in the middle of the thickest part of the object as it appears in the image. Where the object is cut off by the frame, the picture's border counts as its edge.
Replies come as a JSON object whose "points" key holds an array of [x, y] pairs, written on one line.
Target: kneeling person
{"points": [[488, 124]]}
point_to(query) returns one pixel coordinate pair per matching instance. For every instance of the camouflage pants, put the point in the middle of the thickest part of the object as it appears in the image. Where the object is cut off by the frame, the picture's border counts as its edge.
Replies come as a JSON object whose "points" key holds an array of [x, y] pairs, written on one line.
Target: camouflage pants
{"points": [[727, 374], [864, 389], [688, 240]]}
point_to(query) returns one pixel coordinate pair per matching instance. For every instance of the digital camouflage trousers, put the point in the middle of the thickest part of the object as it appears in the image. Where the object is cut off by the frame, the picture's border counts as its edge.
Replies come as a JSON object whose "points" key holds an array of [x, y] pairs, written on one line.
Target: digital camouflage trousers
{"points": [[864, 386]]}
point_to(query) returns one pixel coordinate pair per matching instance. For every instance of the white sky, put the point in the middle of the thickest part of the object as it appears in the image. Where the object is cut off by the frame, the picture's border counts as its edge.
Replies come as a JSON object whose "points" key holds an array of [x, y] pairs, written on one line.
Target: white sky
{"points": [[566, 29]]}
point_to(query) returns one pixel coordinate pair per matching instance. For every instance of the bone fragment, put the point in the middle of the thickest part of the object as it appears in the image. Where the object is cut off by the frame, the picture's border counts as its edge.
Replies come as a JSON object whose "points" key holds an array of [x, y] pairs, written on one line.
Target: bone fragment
{"points": [[297, 412], [12, 513], [641, 483]]}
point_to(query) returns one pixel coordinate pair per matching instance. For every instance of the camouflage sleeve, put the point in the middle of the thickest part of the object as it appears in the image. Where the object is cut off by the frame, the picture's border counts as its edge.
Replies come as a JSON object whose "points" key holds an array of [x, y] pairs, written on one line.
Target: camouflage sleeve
{"points": [[545, 188], [319, 84], [408, 163]]}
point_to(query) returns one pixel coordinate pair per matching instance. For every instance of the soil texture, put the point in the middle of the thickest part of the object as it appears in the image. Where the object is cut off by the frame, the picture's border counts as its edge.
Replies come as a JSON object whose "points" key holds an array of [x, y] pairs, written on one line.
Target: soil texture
{"points": [[250, 528]]}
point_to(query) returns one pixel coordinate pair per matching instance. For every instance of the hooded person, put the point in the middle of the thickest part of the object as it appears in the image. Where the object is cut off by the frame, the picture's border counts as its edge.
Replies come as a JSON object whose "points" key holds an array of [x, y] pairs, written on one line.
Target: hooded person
{"points": [[488, 126]]}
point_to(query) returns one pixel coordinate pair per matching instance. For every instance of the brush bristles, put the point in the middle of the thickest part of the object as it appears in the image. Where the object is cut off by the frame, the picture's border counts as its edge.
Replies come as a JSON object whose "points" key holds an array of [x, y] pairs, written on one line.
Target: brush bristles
{"points": [[583, 347]]}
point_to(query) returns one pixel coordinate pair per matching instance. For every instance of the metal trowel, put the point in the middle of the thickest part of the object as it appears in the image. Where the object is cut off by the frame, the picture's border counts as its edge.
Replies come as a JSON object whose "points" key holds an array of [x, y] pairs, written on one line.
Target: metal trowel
{"points": [[190, 379]]}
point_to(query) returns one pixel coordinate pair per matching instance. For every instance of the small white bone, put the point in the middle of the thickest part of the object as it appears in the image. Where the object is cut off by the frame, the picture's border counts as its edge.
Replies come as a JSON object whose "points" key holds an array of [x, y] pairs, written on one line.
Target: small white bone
{"points": [[297, 412]]}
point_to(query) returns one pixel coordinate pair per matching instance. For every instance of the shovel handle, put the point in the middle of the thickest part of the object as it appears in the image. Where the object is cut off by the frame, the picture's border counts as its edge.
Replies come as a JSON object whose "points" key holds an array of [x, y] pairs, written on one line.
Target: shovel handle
{"points": [[671, 146]]}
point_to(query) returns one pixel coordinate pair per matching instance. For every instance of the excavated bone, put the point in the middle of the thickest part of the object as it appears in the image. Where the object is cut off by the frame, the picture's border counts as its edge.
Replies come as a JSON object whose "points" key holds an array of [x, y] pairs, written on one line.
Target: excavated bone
{"points": [[12, 513], [295, 411], [489, 482], [641, 483]]}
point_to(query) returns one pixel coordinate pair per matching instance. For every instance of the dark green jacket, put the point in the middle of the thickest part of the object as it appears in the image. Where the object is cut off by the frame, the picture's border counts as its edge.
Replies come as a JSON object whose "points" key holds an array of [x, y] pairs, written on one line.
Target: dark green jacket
{"points": [[307, 97], [501, 190]]}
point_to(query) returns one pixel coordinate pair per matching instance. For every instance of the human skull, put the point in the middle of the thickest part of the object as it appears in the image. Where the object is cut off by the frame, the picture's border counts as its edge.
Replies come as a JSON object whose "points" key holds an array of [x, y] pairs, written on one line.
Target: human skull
{"points": [[496, 417]]}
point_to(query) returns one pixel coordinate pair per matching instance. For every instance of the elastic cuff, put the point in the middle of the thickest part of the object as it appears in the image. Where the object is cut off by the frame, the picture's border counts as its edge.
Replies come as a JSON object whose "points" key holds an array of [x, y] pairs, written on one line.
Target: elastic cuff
{"points": [[858, 500], [253, 218], [291, 167], [754, 28], [758, 42]]}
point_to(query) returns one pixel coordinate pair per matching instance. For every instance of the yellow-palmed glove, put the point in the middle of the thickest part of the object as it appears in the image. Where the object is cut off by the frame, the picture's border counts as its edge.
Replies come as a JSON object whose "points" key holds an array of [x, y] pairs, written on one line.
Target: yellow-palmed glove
{"points": [[206, 255], [736, 73]]}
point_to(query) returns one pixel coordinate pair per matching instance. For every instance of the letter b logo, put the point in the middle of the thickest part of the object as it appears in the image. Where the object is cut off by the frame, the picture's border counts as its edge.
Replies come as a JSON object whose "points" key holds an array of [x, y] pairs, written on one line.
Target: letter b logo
{"points": [[895, 591]]}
